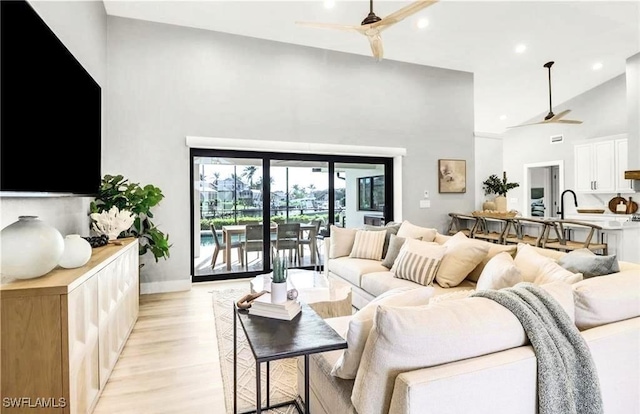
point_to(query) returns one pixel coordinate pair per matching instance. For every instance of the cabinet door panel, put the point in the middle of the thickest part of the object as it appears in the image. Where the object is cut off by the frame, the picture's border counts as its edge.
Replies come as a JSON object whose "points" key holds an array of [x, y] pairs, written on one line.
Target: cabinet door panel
{"points": [[604, 166], [583, 162]]}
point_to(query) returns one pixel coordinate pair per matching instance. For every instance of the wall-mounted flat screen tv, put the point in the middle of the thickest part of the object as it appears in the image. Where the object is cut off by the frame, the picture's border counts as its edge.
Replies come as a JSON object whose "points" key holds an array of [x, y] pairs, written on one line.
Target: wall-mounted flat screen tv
{"points": [[50, 111]]}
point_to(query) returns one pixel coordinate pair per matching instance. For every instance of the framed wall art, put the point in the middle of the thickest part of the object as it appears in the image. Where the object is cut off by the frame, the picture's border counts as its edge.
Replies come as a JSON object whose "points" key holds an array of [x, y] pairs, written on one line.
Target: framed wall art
{"points": [[452, 176]]}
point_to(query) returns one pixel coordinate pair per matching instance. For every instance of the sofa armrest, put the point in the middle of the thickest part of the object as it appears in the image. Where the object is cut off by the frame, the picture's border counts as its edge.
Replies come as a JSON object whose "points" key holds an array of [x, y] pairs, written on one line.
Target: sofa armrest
{"points": [[469, 386]]}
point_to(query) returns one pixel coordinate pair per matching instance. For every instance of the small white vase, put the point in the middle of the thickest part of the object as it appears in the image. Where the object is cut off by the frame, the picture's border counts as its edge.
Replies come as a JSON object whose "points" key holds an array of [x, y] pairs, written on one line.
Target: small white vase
{"points": [[278, 292], [30, 248], [77, 252]]}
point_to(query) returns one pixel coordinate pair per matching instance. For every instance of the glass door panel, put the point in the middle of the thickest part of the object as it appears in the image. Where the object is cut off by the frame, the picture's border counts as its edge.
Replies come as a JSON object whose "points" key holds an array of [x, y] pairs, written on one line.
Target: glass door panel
{"points": [[299, 197], [359, 194], [228, 194]]}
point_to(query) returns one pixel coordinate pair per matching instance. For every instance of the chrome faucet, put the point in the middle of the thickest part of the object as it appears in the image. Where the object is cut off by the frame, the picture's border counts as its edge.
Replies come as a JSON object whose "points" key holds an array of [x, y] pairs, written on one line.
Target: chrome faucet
{"points": [[575, 199]]}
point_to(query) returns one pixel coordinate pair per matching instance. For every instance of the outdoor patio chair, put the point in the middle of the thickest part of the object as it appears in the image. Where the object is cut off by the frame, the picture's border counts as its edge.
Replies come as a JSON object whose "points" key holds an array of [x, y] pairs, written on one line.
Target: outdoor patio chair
{"points": [[288, 238], [253, 241], [310, 239], [221, 245]]}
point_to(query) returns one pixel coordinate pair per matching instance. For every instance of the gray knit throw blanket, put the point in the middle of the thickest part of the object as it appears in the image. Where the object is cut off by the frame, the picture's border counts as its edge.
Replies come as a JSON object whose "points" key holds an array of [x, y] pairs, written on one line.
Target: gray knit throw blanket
{"points": [[567, 377]]}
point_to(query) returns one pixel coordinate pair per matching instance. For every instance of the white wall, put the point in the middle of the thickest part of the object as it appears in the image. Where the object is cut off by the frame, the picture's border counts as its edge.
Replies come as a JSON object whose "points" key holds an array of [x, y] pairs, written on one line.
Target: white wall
{"points": [[488, 160], [82, 27], [168, 82], [603, 111]]}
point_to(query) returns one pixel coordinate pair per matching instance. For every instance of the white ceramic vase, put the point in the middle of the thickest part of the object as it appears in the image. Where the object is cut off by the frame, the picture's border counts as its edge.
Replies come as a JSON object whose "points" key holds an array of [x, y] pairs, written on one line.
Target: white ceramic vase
{"points": [[278, 292], [30, 248], [77, 252]]}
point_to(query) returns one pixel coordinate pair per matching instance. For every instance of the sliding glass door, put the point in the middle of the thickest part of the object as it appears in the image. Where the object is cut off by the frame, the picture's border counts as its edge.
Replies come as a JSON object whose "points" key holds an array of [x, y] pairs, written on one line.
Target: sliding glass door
{"points": [[249, 206]]}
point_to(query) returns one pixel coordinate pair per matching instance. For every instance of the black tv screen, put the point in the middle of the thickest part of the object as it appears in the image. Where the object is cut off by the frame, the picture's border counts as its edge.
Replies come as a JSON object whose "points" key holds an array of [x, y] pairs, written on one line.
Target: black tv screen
{"points": [[50, 111]]}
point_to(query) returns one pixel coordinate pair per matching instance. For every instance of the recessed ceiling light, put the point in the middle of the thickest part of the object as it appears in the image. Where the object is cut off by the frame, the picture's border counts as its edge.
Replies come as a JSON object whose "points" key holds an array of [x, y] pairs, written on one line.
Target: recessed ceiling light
{"points": [[422, 23], [597, 66], [328, 4], [521, 48], [503, 117]]}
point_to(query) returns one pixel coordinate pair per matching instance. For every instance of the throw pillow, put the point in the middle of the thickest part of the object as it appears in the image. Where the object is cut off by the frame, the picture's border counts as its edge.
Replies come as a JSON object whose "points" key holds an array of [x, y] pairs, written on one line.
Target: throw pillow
{"points": [[494, 249], [368, 245], [589, 264], [341, 241], [441, 238], [418, 261], [461, 257], [390, 229], [361, 323], [411, 231], [395, 244], [538, 269], [499, 273]]}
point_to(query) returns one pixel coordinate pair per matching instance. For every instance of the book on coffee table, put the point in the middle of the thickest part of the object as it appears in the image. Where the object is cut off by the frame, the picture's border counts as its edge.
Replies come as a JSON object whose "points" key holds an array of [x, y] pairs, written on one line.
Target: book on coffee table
{"points": [[262, 306]]}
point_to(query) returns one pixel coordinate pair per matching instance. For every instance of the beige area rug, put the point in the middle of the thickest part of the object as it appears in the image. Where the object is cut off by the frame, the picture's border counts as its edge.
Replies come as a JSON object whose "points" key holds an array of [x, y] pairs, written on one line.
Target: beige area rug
{"points": [[283, 386]]}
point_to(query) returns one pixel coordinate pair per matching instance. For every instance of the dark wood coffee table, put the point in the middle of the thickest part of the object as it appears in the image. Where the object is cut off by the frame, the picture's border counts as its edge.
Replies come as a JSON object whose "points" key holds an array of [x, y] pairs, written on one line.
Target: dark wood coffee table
{"points": [[272, 339]]}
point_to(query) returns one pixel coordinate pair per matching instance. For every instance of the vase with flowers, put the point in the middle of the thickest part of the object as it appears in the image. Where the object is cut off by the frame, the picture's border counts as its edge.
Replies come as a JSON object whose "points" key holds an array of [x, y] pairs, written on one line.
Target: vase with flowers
{"points": [[499, 187]]}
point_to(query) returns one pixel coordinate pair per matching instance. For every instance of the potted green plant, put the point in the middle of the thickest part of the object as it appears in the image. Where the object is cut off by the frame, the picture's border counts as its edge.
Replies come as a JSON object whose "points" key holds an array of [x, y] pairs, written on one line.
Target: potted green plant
{"points": [[279, 280], [499, 187], [117, 191]]}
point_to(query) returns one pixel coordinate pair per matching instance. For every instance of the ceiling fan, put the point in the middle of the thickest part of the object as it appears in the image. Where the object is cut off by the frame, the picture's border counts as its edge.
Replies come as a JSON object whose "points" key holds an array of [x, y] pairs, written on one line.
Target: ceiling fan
{"points": [[551, 117], [373, 25]]}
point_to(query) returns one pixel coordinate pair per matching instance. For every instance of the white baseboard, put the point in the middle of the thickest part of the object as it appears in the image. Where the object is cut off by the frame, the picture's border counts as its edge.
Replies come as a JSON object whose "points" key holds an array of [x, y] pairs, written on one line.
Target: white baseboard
{"points": [[166, 286]]}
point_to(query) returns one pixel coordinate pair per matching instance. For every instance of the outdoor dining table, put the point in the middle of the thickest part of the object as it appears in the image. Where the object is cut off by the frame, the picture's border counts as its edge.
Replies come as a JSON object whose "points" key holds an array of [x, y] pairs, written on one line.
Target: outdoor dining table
{"points": [[239, 229]]}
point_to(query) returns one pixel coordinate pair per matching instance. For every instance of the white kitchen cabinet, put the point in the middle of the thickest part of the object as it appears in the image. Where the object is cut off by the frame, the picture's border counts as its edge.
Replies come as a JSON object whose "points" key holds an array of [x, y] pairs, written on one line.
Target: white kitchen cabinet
{"points": [[595, 167], [622, 162]]}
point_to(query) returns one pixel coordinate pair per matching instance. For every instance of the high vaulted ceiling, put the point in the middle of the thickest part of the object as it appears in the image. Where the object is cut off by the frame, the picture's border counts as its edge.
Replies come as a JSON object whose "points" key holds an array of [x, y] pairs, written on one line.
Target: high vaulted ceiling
{"points": [[474, 36]]}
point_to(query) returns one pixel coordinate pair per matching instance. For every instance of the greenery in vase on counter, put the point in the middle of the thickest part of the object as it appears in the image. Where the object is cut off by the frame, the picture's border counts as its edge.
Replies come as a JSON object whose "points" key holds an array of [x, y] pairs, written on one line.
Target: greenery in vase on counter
{"points": [[115, 190], [495, 185]]}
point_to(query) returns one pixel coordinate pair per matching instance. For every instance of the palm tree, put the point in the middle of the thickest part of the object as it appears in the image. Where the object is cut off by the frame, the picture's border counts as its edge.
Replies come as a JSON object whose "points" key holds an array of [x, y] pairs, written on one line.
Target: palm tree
{"points": [[249, 172], [312, 188], [216, 177]]}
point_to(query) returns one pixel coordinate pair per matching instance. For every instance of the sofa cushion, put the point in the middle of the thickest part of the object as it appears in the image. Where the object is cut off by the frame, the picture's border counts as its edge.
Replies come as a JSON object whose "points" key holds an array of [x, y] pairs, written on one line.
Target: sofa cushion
{"points": [[539, 269], [499, 273], [341, 241], [460, 258], [494, 249], [352, 269], [358, 331], [408, 338], [418, 261], [589, 264], [368, 245], [395, 244], [379, 282], [411, 231], [607, 299], [333, 393]]}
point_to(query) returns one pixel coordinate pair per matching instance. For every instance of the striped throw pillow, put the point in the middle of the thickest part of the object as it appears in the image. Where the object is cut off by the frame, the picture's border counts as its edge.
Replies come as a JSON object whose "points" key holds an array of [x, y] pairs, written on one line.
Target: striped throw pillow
{"points": [[368, 244], [418, 261]]}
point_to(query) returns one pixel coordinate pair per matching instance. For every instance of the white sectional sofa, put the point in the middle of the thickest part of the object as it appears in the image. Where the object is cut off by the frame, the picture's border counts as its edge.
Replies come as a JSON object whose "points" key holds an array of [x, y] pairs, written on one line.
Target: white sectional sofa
{"points": [[471, 355]]}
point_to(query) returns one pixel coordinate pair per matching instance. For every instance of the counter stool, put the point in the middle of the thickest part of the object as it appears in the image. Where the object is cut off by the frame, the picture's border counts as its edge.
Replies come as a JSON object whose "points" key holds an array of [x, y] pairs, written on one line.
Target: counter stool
{"points": [[565, 244], [518, 225], [461, 223]]}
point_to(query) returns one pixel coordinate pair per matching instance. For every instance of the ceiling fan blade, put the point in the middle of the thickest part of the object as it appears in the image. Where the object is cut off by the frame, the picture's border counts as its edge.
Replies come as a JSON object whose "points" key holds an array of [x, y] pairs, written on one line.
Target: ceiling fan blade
{"points": [[567, 121], [336, 26], [402, 13], [376, 46], [560, 115]]}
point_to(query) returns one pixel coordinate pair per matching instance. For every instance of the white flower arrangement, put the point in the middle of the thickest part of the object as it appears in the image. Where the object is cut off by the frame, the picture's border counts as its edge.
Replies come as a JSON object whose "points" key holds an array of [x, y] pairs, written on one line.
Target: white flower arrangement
{"points": [[112, 222]]}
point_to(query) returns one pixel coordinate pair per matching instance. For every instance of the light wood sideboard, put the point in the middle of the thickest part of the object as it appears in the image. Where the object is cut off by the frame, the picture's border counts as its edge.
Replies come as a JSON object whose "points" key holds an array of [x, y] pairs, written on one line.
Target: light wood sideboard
{"points": [[61, 334]]}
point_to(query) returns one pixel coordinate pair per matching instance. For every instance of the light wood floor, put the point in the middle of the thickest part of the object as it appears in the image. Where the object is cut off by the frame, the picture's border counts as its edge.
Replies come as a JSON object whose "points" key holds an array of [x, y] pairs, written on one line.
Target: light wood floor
{"points": [[170, 363]]}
